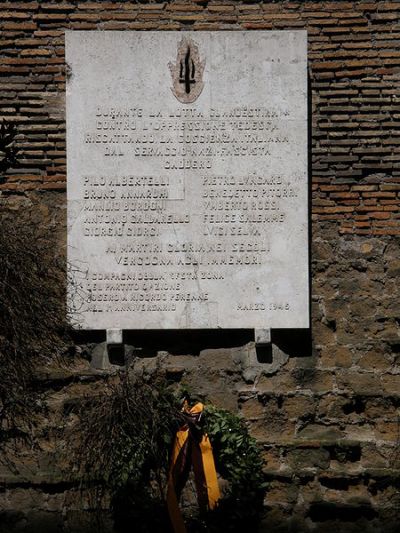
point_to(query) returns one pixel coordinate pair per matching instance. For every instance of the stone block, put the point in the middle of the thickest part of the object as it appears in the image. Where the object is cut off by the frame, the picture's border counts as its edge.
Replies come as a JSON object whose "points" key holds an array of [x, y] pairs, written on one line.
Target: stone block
{"points": [[320, 432], [391, 384], [299, 406], [303, 458], [252, 409], [335, 356], [361, 383]]}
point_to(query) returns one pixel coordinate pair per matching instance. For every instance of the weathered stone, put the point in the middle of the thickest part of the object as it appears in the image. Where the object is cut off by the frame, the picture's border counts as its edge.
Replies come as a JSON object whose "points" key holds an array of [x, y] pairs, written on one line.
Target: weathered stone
{"points": [[282, 492], [300, 459], [252, 409], [394, 268], [298, 406], [375, 360], [320, 432], [324, 335], [273, 431], [374, 456], [100, 360], [322, 251], [253, 366], [272, 460], [276, 383], [388, 431], [332, 407], [363, 383], [314, 380], [218, 359], [336, 356], [391, 384], [362, 432]]}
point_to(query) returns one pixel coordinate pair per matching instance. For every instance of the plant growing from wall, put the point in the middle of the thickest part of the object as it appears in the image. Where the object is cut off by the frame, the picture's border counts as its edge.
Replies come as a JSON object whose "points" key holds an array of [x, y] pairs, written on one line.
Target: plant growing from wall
{"points": [[32, 324], [8, 150], [120, 447]]}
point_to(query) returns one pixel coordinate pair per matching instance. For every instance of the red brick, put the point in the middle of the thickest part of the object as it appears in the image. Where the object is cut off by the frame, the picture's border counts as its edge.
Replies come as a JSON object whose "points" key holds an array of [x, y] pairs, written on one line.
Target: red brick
{"points": [[380, 215], [334, 188], [338, 209], [58, 6], [364, 188], [20, 6], [20, 26], [386, 231], [355, 117], [347, 195], [379, 194], [14, 15]]}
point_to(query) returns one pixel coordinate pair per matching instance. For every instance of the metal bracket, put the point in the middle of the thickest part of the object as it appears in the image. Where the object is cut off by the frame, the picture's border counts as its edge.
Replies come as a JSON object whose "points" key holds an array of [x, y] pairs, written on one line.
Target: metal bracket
{"points": [[262, 337]]}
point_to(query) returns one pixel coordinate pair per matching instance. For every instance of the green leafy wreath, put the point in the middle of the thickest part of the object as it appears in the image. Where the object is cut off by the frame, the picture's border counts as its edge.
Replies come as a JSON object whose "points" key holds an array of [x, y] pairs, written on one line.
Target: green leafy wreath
{"points": [[121, 447], [238, 461]]}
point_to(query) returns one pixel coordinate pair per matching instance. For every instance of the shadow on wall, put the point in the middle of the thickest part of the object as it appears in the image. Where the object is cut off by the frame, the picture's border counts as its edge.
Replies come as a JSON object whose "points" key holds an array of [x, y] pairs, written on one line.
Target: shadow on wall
{"points": [[293, 342], [323, 517]]}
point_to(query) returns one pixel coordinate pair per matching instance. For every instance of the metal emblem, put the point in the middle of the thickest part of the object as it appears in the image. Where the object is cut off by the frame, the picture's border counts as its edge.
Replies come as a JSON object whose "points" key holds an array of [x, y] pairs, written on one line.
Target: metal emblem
{"points": [[187, 72]]}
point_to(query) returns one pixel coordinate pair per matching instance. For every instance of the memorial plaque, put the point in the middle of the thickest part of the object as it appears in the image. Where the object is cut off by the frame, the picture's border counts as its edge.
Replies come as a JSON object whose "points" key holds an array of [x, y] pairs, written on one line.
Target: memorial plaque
{"points": [[187, 179]]}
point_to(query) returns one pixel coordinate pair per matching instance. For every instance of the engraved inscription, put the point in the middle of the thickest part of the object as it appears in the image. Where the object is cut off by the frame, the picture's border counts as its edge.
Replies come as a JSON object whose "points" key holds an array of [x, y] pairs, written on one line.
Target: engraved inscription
{"points": [[187, 204]]}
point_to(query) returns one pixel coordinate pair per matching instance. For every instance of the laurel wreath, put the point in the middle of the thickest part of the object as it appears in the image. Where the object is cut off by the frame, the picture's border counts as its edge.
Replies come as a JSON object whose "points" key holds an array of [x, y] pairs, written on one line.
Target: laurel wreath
{"points": [[239, 463], [121, 446]]}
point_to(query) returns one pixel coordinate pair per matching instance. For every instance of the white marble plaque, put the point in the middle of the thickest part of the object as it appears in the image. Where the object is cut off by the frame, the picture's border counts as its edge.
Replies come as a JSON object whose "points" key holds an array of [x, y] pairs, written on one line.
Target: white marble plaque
{"points": [[187, 179]]}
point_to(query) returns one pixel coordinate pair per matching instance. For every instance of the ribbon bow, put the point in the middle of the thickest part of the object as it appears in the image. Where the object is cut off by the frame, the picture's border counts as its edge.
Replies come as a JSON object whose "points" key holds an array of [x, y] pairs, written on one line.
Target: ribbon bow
{"points": [[192, 447]]}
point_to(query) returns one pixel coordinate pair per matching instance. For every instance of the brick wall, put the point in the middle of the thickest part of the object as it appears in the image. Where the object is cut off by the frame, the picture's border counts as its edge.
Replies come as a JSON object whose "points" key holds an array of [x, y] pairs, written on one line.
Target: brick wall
{"points": [[354, 66], [326, 415]]}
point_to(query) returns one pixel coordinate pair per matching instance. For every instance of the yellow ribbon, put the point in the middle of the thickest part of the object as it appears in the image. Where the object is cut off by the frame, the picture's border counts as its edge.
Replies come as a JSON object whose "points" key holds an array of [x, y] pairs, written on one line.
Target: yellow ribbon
{"points": [[196, 451]]}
